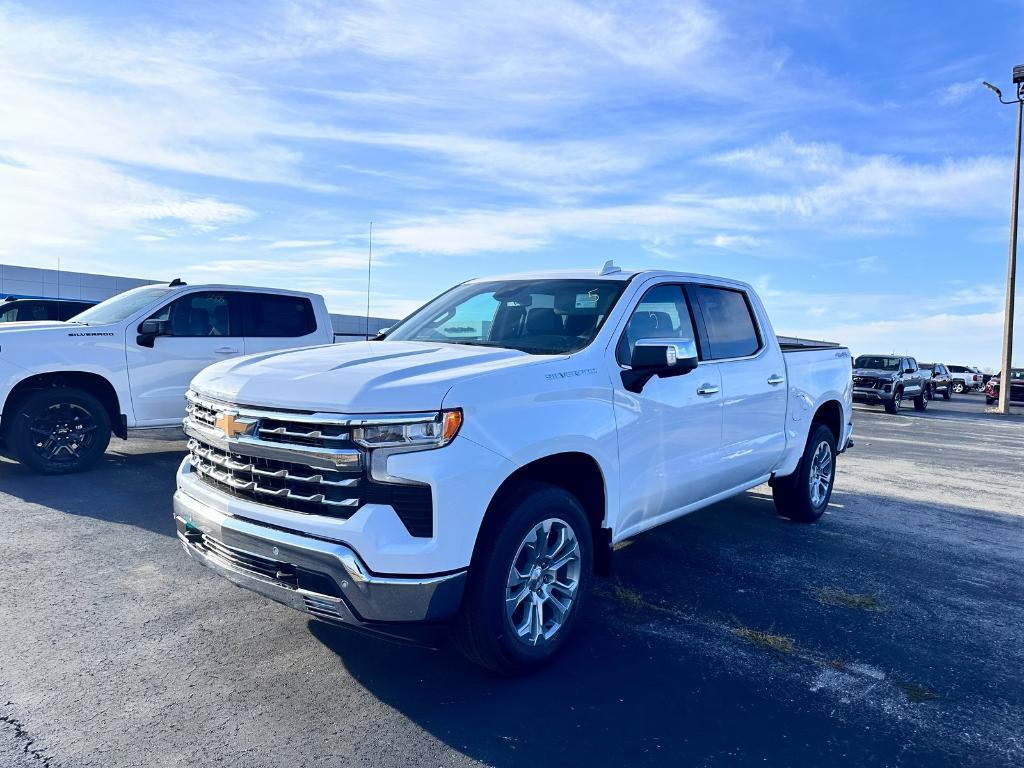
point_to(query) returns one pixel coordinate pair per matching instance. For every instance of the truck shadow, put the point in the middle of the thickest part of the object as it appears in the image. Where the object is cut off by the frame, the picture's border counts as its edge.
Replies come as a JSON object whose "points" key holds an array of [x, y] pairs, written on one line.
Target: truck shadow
{"points": [[130, 488], [709, 644]]}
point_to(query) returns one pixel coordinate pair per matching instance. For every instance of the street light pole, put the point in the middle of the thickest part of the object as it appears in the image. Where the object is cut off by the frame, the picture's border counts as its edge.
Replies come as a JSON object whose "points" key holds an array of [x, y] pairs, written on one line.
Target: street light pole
{"points": [[1011, 270]]}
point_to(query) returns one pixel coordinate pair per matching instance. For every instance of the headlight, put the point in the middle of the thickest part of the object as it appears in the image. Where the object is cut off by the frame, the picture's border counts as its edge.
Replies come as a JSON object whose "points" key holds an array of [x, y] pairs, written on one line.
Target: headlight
{"points": [[415, 431]]}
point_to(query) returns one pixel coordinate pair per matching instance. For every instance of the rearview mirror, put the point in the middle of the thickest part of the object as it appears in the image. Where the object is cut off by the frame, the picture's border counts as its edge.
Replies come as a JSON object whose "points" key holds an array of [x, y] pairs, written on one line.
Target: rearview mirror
{"points": [[149, 330], [658, 357]]}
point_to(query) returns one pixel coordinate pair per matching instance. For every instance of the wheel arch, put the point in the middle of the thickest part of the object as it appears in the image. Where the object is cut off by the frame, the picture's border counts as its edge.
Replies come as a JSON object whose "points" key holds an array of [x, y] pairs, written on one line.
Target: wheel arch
{"points": [[93, 383], [576, 472], [829, 413]]}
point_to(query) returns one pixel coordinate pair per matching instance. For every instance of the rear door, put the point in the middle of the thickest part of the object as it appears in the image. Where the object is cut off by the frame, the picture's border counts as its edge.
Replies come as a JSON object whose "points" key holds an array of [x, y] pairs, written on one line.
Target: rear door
{"points": [[199, 329], [754, 388], [278, 321]]}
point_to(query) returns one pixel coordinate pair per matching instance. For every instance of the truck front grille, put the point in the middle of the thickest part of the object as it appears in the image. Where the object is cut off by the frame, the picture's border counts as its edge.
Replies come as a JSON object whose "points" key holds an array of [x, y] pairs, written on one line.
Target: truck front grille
{"points": [[304, 463]]}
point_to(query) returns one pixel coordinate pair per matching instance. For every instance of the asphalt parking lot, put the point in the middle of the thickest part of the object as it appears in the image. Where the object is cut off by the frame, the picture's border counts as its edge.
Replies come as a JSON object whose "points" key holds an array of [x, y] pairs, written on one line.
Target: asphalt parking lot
{"points": [[890, 633]]}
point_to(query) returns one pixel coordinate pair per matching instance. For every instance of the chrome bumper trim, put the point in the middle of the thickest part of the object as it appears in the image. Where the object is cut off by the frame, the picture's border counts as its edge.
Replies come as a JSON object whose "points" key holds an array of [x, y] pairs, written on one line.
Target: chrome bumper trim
{"points": [[364, 596]]}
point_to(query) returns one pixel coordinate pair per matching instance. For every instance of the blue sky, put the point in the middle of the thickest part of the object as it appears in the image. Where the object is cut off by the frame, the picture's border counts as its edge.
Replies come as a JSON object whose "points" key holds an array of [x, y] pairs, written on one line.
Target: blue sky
{"points": [[841, 156]]}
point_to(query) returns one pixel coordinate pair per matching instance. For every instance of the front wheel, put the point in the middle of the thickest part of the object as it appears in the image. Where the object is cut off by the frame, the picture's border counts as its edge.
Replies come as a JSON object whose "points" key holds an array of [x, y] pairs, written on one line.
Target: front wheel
{"points": [[990, 401], [959, 387], [804, 495], [59, 431], [921, 401], [893, 406], [528, 580]]}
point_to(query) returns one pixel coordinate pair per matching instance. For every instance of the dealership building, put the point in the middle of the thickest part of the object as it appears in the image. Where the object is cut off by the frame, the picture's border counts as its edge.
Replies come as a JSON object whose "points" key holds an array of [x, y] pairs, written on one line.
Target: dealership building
{"points": [[30, 282]]}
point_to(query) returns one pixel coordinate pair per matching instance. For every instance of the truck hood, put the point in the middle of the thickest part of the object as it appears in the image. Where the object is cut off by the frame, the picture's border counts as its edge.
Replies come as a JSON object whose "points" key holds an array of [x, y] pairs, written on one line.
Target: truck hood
{"points": [[875, 373], [355, 377], [30, 335]]}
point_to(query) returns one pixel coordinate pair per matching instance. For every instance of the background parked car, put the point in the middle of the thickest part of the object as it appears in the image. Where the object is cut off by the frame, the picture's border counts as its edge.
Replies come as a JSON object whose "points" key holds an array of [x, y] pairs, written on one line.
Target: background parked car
{"points": [[965, 378], [942, 381], [888, 379], [13, 310], [1016, 387]]}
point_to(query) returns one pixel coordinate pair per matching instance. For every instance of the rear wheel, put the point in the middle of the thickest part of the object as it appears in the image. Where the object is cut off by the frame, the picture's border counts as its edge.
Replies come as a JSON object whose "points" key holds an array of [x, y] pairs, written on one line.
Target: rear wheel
{"points": [[947, 393], [959, 387], [528, 580], [990, 401], [804, 495], [893, 406], [58, 431], [921, 401]]}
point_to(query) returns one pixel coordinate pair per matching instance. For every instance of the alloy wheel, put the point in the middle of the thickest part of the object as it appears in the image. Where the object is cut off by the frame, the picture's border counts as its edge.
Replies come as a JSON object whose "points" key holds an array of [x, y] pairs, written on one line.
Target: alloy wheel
{"points": [[543, 581], [820, 477], [62, 433]]}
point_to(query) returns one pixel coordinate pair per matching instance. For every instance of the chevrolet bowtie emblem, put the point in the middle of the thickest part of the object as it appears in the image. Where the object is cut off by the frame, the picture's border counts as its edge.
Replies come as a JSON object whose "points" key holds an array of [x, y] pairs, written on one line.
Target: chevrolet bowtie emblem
{"points": [[232, 426]]}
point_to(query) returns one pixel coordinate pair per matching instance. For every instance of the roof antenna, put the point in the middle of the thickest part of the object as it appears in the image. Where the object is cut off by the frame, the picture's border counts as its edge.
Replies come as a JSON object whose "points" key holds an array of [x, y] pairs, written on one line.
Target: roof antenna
{"points": [[369, 268], [609, 268]]}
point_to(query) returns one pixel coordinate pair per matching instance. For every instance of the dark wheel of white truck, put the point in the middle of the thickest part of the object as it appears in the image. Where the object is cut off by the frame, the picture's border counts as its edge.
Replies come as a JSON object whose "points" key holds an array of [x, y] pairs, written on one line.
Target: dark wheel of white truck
{"points": [[58, 431], [804, 495], [921, 401], [528, 580], [893, 406]]}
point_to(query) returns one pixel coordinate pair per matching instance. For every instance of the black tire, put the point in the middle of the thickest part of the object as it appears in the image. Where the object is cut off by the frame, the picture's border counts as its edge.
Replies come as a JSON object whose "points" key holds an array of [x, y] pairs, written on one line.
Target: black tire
{"points": [[947, 393], [793, 495], [893, 406], [990, 401], [921, 401], [959, 387], [80, 431], [482, 630]]}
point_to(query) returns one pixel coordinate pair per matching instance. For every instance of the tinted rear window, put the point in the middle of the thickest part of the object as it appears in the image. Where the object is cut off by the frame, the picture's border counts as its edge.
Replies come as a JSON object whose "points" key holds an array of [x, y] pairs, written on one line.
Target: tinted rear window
{"points": [[729, 322], [279, 316]]}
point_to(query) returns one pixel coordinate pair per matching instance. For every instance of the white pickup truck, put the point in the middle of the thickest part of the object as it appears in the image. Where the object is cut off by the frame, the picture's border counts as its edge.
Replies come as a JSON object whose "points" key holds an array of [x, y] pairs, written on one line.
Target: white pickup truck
{"points": [[476, 464], [65, 387]]}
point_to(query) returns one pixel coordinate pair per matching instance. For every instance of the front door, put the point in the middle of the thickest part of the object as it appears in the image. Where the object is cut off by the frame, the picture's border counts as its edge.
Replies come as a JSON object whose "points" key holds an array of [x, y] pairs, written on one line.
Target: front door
{"points": [[670, 433], [198, 329]]}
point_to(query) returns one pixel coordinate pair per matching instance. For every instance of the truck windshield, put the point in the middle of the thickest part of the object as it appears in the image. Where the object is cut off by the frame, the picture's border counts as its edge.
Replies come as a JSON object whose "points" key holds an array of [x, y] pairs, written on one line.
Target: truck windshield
{"points": [[122, 306], [877, 363], [539, 317]]}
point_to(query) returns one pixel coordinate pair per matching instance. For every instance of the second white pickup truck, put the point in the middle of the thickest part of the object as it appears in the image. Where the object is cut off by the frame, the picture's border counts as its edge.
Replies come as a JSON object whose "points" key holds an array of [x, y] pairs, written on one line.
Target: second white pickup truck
{"points": [[475, 465], [65, 387]]}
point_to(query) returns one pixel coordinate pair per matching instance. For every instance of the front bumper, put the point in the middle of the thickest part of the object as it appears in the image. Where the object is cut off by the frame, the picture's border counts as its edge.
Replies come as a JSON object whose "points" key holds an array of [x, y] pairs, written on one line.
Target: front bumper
{"points": [[871, 395], [325, 579]]}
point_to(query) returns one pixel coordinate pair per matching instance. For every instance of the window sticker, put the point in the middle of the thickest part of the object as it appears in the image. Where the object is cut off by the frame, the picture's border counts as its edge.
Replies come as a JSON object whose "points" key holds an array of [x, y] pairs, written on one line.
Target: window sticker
{"points": [[587, 300]]}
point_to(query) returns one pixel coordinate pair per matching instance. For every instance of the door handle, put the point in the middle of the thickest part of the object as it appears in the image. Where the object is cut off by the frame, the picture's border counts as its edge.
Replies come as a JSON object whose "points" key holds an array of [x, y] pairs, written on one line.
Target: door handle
{"points": [[708, 389], [775, 379], [225, 350]]}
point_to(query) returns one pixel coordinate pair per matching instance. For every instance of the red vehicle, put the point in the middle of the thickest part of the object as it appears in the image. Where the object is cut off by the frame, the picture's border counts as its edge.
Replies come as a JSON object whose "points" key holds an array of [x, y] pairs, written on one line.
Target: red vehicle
{"points": [[1016, 387]]}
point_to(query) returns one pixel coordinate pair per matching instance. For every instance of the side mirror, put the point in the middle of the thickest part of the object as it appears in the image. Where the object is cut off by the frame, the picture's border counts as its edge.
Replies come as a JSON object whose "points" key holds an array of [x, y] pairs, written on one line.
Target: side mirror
{"points": [[908, 370], [148, 331], [659, 357]]}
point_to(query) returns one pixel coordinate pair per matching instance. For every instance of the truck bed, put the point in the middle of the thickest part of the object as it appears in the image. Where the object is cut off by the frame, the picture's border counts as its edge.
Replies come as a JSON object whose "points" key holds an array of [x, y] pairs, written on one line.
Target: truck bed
{"points": [[796, 344]]}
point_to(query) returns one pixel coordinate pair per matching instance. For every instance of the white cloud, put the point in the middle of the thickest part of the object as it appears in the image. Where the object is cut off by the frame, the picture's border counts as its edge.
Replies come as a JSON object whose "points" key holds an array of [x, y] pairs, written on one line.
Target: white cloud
{"points": [[48, 201], [732, 242], [298, 244]]}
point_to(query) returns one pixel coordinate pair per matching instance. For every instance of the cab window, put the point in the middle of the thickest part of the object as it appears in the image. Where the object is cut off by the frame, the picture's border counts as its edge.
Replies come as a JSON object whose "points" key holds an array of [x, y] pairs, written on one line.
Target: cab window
{"points": [[206, 313], [728, 321], [662, 313]]}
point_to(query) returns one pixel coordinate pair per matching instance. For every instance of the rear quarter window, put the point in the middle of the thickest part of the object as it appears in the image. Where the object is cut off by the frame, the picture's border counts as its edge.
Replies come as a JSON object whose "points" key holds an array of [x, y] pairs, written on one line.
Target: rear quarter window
{"points": [[728, 321], [272, 316]]}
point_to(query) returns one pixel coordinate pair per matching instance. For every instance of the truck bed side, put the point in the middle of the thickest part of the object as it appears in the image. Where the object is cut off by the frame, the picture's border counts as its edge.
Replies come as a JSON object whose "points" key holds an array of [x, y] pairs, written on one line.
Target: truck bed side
{"points": [[818, 377]]}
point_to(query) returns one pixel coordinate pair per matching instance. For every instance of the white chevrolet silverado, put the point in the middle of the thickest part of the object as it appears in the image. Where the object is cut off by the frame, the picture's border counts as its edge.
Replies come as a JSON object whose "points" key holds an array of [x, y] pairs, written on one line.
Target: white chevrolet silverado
{"points": [[65, 387], [474, 465]]}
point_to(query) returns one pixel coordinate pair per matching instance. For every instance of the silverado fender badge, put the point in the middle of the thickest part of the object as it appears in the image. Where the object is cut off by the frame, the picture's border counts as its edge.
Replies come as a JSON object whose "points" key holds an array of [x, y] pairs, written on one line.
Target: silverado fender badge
{"points": [[570, 374]]}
